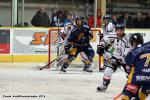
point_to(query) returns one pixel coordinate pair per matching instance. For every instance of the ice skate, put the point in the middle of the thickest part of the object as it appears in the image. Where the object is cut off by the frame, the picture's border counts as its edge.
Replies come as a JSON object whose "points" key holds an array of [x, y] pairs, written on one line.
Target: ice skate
{"points": [[101, 88], [63, 68], [62, 71], [87, 68]]}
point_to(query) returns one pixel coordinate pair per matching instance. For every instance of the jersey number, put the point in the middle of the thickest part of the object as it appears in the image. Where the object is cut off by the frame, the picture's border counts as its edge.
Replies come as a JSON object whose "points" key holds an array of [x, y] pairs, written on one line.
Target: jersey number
{"points": [[147, 56]]}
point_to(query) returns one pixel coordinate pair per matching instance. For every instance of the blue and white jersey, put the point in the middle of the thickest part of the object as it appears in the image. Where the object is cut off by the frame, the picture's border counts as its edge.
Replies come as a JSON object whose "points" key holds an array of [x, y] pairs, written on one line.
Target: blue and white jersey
{"points": [[78, 33], [139, 60]]}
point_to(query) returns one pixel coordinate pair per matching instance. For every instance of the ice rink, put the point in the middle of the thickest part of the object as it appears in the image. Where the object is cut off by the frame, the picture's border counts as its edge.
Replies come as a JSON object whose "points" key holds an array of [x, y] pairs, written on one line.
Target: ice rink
{"points": [[22, 81]]}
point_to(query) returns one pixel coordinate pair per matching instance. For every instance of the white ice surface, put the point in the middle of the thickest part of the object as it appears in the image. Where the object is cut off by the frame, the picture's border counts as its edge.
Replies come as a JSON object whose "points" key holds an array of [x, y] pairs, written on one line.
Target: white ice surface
{"points": [[23, 79]]}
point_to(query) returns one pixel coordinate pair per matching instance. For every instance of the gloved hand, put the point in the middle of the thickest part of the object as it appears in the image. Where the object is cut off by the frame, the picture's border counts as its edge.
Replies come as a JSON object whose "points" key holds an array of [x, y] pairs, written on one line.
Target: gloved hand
{"points": [[116, 62], [100, 50], [67, 48]]}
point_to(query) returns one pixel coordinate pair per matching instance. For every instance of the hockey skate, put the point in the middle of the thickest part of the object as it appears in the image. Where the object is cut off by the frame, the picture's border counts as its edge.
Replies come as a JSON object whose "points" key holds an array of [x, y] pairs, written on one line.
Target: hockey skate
{"points": [[87, 68], [63, 68], [101, 88]]}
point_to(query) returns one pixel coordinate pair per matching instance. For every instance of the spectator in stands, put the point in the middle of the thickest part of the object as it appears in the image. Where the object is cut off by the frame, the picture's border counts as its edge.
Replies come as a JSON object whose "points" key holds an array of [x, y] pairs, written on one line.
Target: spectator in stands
{"points": [[126, 19], [91, 19], [114, 19], [129, 23], [41, 19], [68, 19], [58, 19], [138, 21], [147, 21], [65, 13]]}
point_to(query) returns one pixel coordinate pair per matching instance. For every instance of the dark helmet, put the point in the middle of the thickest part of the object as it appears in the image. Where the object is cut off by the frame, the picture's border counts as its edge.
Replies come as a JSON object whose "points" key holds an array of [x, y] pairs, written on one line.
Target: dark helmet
{"points": [[136, 38], [81, 19], [120, 26], [107, 17]]}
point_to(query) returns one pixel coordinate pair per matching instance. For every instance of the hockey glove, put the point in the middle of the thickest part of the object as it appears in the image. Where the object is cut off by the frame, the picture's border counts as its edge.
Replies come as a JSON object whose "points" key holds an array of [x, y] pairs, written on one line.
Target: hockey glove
{"points": [[68, 48], [100, 50]]}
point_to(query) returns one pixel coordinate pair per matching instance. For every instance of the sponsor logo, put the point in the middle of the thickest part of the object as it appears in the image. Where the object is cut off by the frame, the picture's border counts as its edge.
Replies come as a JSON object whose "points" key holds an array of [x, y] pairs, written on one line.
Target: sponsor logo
{"points": [[43, 38], [142, 78]]}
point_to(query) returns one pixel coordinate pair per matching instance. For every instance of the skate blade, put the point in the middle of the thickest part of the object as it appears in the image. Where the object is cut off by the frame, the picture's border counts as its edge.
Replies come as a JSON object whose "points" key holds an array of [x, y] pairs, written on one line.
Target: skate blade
{"points": [[88, 73], [100, 90], [61, 72]]}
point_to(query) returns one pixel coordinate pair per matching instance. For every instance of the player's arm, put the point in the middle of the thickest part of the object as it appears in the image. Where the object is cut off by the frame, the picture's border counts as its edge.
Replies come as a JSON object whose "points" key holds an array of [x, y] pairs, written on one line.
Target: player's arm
{"points": [[129, 61], [104, 45], [90, 33], [71, 41]]}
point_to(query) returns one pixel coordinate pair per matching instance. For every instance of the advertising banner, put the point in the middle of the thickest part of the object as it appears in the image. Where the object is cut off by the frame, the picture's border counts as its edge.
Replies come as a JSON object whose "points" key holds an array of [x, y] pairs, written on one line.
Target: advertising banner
{"points": [[30, 41], [4, 41]]}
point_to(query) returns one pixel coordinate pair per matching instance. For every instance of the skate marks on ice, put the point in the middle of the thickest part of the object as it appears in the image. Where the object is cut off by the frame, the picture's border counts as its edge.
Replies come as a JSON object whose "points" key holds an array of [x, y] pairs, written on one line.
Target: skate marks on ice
{"points": [[55, 86]]}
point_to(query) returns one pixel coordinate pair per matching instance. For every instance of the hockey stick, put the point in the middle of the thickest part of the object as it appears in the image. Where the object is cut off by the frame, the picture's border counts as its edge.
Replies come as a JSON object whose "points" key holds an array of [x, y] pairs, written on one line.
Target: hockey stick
{"points": [[117, 97], [52, 61], [117, 67]]}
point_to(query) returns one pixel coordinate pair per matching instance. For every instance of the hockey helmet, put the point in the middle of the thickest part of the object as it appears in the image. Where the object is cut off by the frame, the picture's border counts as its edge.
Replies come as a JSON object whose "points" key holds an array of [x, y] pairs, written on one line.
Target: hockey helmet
{"points": [[108, 17], [79, 24], [120, 26], [136, 38]]}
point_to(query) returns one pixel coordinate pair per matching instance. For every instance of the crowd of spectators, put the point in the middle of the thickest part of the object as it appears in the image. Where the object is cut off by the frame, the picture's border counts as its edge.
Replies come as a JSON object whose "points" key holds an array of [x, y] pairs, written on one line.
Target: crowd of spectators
{"points": [[139, 21], [60, 18]]}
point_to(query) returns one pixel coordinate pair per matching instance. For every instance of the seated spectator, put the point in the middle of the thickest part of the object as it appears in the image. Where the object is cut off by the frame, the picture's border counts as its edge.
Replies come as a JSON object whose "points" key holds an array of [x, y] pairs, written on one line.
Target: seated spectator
{"points": [[126, 19], [65, 13], [147, 21], [129, 22], [91, 19], [114, 20], [138, 21], [58, 19], [68, 19], [41, 19]]}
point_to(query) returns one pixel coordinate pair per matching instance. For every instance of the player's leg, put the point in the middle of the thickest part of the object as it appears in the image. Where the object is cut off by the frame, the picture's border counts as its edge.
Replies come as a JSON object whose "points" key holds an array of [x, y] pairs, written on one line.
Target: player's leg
{"points": [[88, 58], [106, 79], [71, 56], [66, 62], [61, 59], [111, 67]]}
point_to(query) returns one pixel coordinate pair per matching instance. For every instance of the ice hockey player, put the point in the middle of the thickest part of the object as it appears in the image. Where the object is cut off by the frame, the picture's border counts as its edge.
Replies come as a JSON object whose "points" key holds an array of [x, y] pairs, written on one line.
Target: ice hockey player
{"points": [[63, 39], [108, 32], [138, 61], [108, 27], [79, 41], [117, 51]]}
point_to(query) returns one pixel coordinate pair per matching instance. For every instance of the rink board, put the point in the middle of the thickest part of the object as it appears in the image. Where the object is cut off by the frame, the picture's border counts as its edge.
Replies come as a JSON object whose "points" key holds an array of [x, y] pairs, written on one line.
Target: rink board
{"points": [[22, 47]]}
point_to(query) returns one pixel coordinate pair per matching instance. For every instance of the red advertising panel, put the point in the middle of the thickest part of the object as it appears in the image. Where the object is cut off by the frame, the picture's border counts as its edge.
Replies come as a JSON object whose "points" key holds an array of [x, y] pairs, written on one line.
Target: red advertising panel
{"points": [[4, 41], [4, 48]]}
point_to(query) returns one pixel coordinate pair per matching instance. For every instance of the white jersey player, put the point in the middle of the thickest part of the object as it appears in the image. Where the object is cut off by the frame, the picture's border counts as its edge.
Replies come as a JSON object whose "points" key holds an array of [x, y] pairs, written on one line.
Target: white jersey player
{"points": [[118, 49], [109, 27], [109, 34], [65, 32]]}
